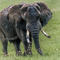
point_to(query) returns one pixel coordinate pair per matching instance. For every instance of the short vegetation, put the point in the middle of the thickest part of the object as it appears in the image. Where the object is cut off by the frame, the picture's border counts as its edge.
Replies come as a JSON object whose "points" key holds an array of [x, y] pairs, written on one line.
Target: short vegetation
{"points": [[50, 47]]}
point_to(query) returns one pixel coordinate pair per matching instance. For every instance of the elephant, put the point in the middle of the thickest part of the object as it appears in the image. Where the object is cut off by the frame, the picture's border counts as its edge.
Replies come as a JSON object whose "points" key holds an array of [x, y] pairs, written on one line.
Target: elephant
{"points": [[16, 20]]}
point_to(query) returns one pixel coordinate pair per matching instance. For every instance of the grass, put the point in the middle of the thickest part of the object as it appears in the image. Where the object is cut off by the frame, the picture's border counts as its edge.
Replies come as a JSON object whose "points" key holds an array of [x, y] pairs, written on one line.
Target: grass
{"points": [[50, 47]]}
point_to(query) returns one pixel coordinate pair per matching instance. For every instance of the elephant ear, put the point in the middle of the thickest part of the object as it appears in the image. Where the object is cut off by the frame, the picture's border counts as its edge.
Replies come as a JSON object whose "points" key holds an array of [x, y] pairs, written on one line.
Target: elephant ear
{"points": [[15, 16], [45, 15], [23, 10], [14, 12], [15, 8]]}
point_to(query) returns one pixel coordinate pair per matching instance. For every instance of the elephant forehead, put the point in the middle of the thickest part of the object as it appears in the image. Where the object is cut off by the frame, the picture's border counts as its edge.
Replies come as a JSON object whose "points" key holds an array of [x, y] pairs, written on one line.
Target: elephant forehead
{"points": [[31, 7]]}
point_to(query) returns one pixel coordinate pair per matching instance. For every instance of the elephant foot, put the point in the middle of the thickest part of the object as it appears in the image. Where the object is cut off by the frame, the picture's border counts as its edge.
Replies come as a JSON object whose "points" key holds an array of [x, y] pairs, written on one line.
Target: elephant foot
{"points": [[39, 51], [5, 54], [19, 53], [29, 52], [25, 53]]}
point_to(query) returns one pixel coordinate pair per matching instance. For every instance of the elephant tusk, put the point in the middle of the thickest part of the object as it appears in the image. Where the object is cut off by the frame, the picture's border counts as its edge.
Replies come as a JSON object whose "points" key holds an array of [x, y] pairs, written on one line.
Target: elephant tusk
{"points": [[45, 33], [27, 37]]}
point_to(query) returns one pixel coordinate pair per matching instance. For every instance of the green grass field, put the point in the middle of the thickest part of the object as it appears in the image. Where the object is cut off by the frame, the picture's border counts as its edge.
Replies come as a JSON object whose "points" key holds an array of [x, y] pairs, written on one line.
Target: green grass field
{"points": [[50, 47]]}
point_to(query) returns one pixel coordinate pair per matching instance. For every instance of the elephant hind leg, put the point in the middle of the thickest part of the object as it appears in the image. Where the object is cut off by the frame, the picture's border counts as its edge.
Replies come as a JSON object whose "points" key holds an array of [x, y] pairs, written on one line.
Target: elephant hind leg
{"points": [[17, 47], [4, 44]]}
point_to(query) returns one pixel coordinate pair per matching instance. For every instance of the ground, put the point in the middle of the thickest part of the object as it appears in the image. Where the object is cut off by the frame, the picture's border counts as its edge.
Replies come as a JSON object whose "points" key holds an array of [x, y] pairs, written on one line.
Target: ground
{"points": [[50, 47]]}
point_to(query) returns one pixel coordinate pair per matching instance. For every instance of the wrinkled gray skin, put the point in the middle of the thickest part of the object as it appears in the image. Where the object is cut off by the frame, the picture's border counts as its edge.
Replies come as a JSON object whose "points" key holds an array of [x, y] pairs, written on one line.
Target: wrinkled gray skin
{"points": [[20, 18]]}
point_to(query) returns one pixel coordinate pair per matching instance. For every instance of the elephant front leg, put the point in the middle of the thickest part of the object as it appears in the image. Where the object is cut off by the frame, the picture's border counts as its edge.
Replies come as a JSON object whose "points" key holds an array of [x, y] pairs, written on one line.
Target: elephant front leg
{"points": [[24, 40], [29, 52], [5, 44], [17, 47], [25, 45], [22, 36]]}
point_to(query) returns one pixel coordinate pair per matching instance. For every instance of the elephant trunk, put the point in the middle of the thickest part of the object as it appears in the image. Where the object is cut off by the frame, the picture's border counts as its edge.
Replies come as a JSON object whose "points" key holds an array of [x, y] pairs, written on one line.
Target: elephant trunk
{"points": [[35, 35]]}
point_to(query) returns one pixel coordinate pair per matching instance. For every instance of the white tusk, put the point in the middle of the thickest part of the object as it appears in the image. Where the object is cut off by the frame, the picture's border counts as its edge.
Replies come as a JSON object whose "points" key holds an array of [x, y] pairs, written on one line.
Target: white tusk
{"points": [[27, 37], [45, 33]]}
